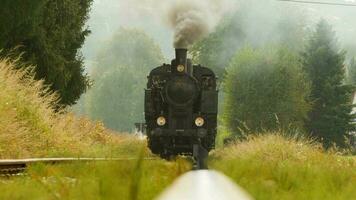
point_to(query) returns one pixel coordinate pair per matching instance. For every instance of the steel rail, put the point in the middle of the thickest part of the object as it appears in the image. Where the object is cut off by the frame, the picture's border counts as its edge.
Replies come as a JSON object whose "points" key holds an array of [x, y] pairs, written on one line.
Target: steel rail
{"points": [[18, 166]]}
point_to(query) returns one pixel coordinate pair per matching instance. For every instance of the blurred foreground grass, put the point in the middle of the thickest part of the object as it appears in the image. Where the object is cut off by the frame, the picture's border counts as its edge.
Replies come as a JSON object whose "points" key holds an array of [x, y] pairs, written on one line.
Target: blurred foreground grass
{"points": [[276, 167], [100, 180]]}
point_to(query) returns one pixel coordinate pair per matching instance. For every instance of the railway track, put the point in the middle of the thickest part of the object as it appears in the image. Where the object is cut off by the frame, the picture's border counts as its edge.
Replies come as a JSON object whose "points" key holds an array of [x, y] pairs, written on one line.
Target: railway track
{"points": [[18, 166], [194, 185]]}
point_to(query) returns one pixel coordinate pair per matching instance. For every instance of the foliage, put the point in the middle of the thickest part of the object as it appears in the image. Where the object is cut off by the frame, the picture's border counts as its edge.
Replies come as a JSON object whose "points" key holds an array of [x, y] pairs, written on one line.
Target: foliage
{"points": [[50, 34], [131, 48], [117, 99], [277, 167], [268, 167], [216, 50], [120, 77], [251, 24], [100, 180], [351, 75], [265, 90], [29, 127], [330, 118]]}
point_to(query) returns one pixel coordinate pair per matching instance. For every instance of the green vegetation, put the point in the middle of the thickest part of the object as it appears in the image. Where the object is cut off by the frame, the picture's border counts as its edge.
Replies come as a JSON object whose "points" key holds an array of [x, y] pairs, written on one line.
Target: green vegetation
{"points": [[268, 167], [265, 90], [281, 87], [330, 118], [351, 72], [235, 31], [29, 127], [119, 79], [48, 34], [273, 167], [109, 180]]}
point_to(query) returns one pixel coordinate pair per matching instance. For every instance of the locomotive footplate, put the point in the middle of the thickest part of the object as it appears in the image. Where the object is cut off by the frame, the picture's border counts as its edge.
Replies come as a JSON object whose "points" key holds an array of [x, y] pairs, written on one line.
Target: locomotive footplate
{"points": [[200, 133]]}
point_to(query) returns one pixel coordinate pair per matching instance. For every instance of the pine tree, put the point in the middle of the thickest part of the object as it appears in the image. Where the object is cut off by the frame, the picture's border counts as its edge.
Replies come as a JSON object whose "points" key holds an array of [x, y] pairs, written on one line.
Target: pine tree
{"points": [[330, 118], [18, 21], [49, 33], [351, 75]]}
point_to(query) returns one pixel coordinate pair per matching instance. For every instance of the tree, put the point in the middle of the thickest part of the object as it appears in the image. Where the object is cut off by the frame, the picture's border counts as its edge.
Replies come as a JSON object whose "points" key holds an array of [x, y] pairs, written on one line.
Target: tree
{"points": [[351, 75], [216, 50], [117, 99], [265, 90], [50, 34], [18, 21], [329, 119], [251, 24], [129, 48], [117, 96]]}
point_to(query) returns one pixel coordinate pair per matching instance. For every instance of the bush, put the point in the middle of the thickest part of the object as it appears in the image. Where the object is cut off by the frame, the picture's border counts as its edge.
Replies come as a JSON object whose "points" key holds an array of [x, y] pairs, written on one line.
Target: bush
{"points": [[265, 90]]}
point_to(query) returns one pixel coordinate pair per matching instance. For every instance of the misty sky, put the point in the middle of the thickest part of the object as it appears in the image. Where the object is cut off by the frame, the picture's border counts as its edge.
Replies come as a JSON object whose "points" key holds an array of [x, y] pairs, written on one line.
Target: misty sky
{"points": [[109, 15]]}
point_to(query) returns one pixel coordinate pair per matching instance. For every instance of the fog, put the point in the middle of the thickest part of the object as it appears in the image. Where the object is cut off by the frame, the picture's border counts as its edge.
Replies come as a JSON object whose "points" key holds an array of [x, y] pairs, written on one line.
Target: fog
{"points": [[158, 18], [152, 16], [180, 23]]}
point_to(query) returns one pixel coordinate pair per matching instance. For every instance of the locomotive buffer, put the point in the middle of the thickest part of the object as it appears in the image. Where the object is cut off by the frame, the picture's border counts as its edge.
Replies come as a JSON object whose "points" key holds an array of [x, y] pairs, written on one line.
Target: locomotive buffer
{"points": [[181, 109]]}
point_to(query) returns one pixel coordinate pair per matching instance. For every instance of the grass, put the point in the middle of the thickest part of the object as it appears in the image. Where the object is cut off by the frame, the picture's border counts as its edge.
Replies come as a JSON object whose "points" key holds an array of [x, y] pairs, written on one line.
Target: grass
{"points": [[29, 127], [276, 167], [268, 167], [112, 180]]}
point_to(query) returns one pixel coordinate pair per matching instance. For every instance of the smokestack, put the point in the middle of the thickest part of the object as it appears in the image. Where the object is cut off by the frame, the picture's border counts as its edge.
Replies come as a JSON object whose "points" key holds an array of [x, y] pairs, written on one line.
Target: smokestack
{"points": [[181, 57], [181, 64]]}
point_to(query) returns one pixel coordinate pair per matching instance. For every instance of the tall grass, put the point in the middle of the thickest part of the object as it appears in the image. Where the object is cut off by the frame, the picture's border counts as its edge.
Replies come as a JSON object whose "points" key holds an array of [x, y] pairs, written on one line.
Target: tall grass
{"points": [[29, 127], [109, 180], [279, 167]]}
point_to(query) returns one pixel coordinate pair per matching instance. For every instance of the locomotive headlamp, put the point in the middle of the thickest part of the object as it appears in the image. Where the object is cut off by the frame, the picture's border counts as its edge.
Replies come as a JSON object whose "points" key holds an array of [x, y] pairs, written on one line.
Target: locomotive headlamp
{"points": [[180, 68], [161, 121], [199, 121]]}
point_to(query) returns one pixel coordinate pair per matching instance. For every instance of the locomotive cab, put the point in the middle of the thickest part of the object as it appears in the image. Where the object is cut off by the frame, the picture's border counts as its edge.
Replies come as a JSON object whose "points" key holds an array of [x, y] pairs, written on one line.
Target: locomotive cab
{"points": [[181, 107]]}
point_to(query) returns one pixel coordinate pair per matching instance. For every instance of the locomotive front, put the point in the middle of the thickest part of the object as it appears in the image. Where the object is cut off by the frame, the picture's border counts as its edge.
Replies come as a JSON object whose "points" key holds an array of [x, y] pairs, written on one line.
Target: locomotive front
{"points": [[181, 108]]}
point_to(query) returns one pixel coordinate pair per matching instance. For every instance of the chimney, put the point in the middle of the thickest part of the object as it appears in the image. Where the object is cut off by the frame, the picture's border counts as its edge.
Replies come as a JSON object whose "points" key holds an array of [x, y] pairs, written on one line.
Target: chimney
{"points": [[181, 57], [181, 64]]}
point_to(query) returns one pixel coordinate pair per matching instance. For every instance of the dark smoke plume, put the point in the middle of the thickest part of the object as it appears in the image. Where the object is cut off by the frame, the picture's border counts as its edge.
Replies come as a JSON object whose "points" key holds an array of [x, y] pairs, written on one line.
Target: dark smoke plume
{"points": [[194, 19]]}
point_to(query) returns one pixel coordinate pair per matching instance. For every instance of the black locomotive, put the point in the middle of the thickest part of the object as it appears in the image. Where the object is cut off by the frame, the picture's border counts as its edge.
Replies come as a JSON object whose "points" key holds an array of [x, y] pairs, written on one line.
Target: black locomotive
{"points": [[181, 105]]}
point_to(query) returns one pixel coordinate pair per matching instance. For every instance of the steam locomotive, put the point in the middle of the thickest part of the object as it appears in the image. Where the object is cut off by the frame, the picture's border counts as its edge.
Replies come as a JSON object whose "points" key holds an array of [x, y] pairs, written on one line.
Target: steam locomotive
{"points": [[181, 105]]}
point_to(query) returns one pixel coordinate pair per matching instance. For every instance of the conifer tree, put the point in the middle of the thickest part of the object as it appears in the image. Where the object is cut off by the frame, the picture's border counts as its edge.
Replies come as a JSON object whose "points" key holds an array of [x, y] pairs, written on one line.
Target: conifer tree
{"points": [[351, 75], [49, 34], [330, 118]]}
